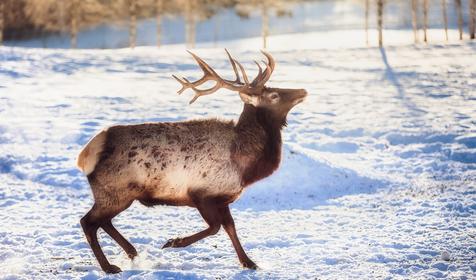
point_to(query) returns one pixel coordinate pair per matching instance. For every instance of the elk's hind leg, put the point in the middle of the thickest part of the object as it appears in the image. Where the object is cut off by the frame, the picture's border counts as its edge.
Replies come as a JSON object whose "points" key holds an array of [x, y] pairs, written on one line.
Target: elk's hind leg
{"points": [[117, 236], [90, 224], [101, 217]]}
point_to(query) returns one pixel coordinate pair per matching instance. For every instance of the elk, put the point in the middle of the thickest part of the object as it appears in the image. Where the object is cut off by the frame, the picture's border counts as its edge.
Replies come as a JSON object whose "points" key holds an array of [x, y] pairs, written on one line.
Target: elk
{"points": [[205, 164]]}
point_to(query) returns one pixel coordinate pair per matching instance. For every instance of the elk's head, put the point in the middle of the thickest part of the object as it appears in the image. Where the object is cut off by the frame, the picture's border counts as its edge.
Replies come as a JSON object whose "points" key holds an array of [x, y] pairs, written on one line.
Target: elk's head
{"points": [[277, 101]]}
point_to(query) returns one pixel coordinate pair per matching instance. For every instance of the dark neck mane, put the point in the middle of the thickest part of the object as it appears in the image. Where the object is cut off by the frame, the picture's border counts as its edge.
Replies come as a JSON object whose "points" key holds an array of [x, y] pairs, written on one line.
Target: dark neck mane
{"points": [[257, 149]]}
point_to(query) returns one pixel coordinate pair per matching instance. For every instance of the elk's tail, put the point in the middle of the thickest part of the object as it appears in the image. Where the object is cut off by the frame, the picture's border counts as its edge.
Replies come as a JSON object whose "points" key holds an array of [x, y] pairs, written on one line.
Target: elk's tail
{"points": [[89, 155]]}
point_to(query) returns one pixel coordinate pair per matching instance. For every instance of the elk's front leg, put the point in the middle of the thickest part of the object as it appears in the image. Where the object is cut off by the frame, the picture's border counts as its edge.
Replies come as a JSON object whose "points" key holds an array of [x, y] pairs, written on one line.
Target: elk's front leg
{"points": [[210, 213], [229, 226]]}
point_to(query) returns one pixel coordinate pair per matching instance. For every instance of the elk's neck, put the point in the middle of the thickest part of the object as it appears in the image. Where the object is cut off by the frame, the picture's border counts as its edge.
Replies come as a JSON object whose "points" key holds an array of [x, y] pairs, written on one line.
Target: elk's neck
{"points": [[257, 148]]}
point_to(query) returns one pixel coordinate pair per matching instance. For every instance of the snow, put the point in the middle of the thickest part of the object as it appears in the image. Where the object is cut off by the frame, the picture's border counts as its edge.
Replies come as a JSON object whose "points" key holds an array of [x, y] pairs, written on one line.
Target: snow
{"points": [[377, 179]]}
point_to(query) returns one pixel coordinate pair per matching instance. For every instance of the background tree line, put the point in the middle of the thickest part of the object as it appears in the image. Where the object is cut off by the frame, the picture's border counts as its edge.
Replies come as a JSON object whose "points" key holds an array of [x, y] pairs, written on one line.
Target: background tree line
{"points": [[23, 19]]}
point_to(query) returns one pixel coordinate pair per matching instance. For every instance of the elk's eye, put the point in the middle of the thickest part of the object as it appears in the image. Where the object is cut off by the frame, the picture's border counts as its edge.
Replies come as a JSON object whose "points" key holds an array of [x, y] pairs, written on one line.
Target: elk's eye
{"points": [[274, 96]]}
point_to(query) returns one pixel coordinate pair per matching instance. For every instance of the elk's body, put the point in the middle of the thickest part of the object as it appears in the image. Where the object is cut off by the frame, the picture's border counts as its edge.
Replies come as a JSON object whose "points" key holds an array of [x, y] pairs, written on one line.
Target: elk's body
{"points": [[204, 164], [164, 162]]}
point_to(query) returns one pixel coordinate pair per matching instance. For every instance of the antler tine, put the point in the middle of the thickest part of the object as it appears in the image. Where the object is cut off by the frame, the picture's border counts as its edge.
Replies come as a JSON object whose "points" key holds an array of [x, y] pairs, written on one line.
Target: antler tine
{"points": [[260, 73], [269, 68], [205, 67], [233, 64], [243, 72], [186, 84]]}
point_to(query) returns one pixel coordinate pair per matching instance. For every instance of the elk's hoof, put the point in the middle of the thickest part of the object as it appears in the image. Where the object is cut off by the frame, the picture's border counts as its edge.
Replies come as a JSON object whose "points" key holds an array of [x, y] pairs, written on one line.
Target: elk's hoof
{"points": [[112, 269], [250, 265], [132, 254], [172, 243]]}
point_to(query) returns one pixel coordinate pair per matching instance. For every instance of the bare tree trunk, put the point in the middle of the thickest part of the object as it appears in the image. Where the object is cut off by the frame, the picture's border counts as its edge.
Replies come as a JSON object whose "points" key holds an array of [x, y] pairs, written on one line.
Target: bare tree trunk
{"points": [[459, 11], [380, 22], [216, 29], [415, 20], [425, 20], [193, 30], [2, 8], [61, 15], [264, 23], [159, 10], [472, 19], [190, 23], [132, 23], [367, 22], [187, 22], [445, 17], [74, 23]]}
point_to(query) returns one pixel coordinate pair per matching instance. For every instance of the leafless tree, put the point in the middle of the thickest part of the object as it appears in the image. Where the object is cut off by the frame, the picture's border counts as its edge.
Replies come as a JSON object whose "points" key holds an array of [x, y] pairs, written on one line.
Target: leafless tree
{"points": [[367, 21], [190, 22], [132, 23], [280, 8], [380, 22], [459, 12], [2, 7], [45, 16], [264, 23], [415, 20], [216, 29], [61, 14], [74, 25], [425, 20], [159, 10], [445, 17], [472, 19]]}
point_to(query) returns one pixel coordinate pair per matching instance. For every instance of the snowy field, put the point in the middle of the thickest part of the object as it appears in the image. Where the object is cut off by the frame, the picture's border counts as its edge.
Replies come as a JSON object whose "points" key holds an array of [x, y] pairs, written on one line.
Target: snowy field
{"points": [[378, 179]]}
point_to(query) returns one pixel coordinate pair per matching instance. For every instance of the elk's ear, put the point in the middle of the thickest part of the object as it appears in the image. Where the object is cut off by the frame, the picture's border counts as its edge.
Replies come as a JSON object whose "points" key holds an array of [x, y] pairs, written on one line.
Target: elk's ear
{"points": [[249, 99]]}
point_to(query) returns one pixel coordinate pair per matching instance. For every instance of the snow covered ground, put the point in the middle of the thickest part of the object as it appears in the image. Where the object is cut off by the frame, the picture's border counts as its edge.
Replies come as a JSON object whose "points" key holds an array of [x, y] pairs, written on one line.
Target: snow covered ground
{"points": [[378, 178]]}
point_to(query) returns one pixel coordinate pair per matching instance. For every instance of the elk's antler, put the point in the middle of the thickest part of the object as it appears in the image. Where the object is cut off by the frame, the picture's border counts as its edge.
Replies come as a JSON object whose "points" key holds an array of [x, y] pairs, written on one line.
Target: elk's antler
{"points": [[209, 74]]}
